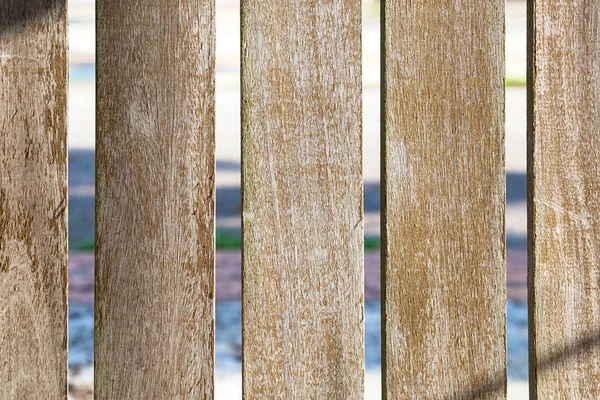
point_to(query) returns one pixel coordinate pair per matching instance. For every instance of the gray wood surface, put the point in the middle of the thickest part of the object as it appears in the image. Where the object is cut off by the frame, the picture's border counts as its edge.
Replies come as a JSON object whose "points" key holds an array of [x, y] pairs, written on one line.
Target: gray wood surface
{"points": [[564, 199], [33, 199], [155, 199], [443, 248], [302, 200]]}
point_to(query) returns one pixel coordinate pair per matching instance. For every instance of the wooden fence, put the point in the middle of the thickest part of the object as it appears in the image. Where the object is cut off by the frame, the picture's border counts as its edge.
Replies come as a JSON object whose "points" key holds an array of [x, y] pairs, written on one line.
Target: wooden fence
{"points": [[443, 199]]}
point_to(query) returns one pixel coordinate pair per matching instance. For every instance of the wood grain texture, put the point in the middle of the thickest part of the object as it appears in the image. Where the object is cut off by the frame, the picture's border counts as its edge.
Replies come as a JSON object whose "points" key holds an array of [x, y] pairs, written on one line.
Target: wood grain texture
{"points": [[155, 199], [33, 199], [443, 253], [564, 198], [302, 200]]}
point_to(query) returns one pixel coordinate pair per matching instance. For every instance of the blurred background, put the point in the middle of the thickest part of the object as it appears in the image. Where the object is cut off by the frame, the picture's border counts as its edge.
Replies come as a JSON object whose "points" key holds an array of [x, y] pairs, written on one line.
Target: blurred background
{"points": [[228, 335]]}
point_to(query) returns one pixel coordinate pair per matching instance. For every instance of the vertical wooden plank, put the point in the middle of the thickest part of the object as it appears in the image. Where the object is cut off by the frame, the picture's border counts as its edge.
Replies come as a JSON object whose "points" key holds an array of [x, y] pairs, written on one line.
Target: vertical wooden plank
{"points": [[155, 199], [33, 199], [302, 199], [564, 198], [444, 278]]}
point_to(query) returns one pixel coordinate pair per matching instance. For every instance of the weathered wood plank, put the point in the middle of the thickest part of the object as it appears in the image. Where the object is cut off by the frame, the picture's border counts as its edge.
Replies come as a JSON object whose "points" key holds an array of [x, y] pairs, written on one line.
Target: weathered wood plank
{"points": [[564, 198], [302, 199], [33, 199], [444, 278], [155, 199]]}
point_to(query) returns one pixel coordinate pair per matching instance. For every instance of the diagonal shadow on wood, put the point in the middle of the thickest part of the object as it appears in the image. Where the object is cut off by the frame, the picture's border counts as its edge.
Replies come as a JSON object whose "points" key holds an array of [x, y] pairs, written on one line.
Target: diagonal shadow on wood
{"points": [[492, 387], [17, 14]]}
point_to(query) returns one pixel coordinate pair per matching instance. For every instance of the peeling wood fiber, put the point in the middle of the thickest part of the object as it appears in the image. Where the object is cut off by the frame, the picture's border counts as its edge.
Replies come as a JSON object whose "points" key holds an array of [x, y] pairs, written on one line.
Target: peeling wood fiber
{"points": [[443, 253], [33, 199], [302, 199], [155, 204], [564, 198]]}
